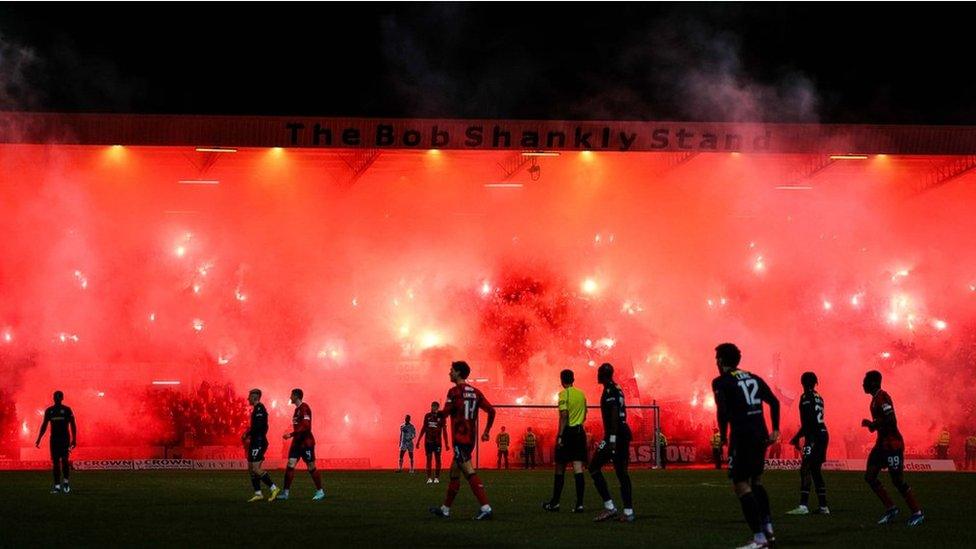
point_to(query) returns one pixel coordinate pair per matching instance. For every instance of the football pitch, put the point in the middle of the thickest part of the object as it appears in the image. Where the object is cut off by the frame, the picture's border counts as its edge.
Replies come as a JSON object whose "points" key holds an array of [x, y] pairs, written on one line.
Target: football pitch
{"points": [[374, 508]]}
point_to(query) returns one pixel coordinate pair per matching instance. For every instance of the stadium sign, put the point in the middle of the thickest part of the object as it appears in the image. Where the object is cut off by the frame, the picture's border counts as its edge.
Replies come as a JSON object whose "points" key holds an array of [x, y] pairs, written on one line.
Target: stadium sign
{"points": [[183, 464], [860, 464], [103, 465], [219, 464], [213, 453], [344, 463], [639, 453], [24, 465], [481, 134], [674, 453], [528, 136]]}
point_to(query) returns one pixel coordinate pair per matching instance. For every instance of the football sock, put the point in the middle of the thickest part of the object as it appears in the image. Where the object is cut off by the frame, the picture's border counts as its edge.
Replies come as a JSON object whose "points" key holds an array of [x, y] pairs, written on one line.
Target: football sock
{"points": [[65, 469], [882, 494], [56, 469], [909, 495], [478, 488], [626, 488], [316, 478], [453, 488], [601, 485], [762, 499], [557, 487], [804, 486], [266, 478], [818, 481], [750, 509], [580, 486], [256, 483], [289, 475]]}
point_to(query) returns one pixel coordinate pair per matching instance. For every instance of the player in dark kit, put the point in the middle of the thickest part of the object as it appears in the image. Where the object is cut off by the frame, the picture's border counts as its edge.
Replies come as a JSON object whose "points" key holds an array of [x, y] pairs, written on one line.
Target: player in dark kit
{"points": [[62, 420], [302, 446], [813, 431], [256, 444], [739, 397], [615, 448], [462, 405], [433, 428], [888, 451]]}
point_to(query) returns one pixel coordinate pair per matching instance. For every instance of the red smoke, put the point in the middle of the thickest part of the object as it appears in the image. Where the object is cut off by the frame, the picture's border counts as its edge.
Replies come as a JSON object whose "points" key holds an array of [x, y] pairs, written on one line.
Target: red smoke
{"points": [[290, 272]]}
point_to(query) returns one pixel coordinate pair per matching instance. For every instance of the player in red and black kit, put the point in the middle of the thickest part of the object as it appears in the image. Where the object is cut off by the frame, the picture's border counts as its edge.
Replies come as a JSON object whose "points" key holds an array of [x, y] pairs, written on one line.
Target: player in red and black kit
{"points": [[462, 405], [62, 419], [433, 429], [302, 446], [888, 451]]}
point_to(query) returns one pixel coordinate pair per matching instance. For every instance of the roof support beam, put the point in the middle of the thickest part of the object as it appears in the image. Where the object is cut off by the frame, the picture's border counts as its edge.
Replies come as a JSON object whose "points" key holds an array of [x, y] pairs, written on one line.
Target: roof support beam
{"points": [[359, 163], [939, 176], [512, 164], [203, 161], [809, 169]]}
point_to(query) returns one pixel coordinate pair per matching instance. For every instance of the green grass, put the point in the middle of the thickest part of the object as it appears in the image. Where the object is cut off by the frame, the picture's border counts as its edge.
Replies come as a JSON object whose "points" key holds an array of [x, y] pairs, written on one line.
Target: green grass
{"points": [[675, 508]]}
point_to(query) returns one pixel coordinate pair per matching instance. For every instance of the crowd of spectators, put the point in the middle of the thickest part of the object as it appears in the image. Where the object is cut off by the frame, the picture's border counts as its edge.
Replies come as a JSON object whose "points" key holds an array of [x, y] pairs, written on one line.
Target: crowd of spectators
{"points": [[8, 425], [210, 415]]}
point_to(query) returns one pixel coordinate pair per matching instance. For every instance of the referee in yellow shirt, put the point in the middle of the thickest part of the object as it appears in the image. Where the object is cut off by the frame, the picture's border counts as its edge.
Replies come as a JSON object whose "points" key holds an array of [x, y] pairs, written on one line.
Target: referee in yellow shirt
{"points": [[571, 442]]}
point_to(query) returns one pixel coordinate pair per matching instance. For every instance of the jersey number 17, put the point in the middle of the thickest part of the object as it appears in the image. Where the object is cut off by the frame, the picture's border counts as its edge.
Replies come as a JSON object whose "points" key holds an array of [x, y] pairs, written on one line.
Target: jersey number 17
{"points": [[470, 409]]}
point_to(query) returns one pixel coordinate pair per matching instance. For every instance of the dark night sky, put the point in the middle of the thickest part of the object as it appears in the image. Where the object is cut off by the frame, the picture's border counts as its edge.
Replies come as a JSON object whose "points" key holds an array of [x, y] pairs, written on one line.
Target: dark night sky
{"points": [[836, 62]]}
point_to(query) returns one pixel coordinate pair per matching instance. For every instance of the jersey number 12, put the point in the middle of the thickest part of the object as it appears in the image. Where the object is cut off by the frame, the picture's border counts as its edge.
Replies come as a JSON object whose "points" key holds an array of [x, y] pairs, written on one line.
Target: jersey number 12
{"points": [[749, 389]]}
